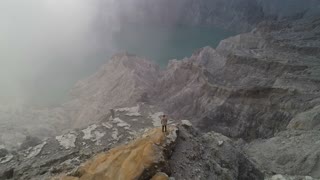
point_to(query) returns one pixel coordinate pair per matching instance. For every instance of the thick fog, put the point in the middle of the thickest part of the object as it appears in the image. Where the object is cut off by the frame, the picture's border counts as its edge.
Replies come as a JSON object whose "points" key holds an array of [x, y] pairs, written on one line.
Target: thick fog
{"points": [[44, 45]]}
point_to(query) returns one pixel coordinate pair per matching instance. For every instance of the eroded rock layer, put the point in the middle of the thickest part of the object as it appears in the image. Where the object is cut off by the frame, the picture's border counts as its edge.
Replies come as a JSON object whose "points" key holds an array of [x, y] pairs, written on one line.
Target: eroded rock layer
{"points": [[252, 85]]}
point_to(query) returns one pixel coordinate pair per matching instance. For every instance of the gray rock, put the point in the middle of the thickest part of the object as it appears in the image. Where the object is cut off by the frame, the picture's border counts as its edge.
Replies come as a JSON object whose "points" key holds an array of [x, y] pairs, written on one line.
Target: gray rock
{"points": [[289, 152], [283, 177], [30, 141], [252, 85], [186, 123], [3, 153], [201, 157]]}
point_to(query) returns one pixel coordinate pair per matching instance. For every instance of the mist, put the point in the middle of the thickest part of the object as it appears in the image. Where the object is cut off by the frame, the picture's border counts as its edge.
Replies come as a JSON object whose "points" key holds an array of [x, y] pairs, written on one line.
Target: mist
{"points": [[44, 46]]}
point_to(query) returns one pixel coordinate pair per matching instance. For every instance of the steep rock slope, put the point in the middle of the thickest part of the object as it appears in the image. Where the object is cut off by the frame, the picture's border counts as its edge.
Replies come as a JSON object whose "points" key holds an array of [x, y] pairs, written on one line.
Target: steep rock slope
{"points": [[140, 159], [183, 155], [122, 81], [38, 159], [203, 156], [252, 85]]}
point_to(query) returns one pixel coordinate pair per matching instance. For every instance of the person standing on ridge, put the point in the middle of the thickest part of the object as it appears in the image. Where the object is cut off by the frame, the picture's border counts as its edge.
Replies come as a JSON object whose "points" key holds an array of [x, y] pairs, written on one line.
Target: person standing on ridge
{"points": [[164, 122]]}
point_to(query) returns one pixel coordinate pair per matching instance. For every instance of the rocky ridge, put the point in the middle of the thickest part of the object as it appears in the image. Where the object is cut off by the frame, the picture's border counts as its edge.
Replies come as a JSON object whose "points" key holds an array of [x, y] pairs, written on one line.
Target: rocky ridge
{"points": [[65, 152], [140, 159]]}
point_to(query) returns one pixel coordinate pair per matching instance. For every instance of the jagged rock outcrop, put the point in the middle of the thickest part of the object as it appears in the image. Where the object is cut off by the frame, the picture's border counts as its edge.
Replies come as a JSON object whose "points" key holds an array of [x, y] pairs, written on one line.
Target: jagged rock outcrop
{"points": [[62, 153], [140, 159]]}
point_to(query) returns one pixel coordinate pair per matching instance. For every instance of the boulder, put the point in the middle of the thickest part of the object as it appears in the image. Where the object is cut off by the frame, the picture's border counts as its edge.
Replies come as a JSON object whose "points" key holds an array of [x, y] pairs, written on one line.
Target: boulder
{"points": [[186, 123]]}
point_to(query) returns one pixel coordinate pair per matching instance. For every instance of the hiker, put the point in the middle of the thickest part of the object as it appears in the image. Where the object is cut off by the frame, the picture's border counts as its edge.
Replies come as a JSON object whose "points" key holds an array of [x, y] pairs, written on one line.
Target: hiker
{"points": [[164, 121], [112, 113]]}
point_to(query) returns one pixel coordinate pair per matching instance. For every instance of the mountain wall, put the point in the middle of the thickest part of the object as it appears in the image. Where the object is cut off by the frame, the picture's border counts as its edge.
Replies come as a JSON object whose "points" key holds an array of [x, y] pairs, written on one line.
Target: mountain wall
{"points": [[253, 85]]}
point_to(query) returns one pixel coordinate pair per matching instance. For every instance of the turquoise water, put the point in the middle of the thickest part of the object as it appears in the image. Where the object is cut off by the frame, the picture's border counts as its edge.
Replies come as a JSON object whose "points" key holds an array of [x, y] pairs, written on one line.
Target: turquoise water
{"points": [[162, 44]]}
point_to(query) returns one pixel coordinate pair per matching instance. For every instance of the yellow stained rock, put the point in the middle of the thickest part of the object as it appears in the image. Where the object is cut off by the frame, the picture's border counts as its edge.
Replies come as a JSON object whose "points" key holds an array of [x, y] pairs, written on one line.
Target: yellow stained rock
{"points": [[126, 162], [160, 176]]}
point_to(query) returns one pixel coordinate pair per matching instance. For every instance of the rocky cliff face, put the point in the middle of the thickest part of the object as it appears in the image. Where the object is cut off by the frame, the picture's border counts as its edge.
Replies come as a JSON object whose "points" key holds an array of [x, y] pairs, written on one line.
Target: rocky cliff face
{"points": [[252, 85]]}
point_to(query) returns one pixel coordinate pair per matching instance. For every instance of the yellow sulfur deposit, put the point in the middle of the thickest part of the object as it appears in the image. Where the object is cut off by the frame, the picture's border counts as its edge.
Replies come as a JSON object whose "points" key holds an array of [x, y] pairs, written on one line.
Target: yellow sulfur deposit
{"points": [[125, 162]]}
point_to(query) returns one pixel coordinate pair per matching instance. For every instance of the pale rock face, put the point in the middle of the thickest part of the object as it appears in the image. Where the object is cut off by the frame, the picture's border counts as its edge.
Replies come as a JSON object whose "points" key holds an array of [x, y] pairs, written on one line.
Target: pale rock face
{"points": [[121, 123], [115, 134], [36, 150], [186, 123], [132, 111], [6, 159], [88, 131], [107, 125], [67, 140], [156, 118]]}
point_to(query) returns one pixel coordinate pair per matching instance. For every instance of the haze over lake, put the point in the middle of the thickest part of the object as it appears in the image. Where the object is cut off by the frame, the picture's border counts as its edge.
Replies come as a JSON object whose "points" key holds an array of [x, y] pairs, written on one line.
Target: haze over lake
{"points": [[53, 81]]}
